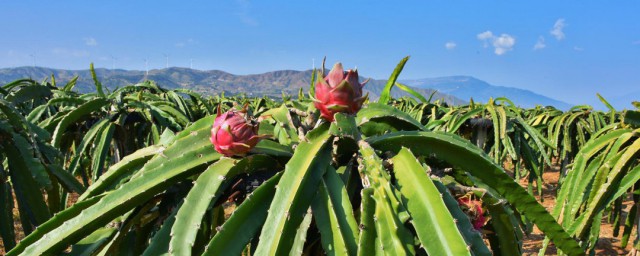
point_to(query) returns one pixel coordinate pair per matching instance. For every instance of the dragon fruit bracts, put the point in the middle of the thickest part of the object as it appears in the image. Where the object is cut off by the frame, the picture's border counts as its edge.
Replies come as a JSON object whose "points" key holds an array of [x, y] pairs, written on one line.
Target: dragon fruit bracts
{"points": [[339, 91], [233, 133]]}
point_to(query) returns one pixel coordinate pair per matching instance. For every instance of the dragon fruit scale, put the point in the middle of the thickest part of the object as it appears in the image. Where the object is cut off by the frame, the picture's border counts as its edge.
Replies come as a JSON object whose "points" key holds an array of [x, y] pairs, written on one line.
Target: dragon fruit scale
{"points": [[339, 91], [233, 133]]}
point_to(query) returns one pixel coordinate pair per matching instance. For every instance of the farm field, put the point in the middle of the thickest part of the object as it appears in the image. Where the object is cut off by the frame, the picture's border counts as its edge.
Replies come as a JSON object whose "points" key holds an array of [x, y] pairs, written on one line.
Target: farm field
{"points": [[143, 170], [608, 244]]}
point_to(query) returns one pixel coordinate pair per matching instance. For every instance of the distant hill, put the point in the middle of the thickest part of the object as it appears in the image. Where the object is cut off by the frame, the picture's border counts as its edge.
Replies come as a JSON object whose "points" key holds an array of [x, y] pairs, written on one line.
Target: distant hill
{"points": [[207, 82], [618, 101], [466, 87]]}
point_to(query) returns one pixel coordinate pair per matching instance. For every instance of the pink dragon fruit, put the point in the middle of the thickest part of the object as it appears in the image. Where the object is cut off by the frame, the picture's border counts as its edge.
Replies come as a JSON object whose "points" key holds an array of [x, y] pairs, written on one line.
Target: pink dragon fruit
{"points": [[339, 91], [473, 209], [233, 133]]}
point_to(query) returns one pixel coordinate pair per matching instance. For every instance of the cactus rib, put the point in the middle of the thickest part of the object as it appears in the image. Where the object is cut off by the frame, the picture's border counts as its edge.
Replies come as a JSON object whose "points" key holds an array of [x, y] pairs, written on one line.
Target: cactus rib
{"points": [[165, 172], [434, 224], [295, 192], [459, 152]]}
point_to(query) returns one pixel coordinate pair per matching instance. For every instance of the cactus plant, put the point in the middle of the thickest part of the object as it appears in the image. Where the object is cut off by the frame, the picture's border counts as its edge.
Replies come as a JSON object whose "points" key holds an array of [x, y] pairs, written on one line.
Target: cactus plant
{"points": [[372, 178]]}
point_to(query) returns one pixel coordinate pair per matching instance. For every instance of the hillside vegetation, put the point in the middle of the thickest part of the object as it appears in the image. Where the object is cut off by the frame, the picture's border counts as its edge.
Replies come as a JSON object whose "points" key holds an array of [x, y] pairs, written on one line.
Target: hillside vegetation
{"points": [[207, 83]]}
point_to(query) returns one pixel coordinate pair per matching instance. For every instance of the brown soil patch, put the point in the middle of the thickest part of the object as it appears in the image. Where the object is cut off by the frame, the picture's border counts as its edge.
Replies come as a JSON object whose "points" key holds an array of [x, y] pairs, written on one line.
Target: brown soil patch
{"points": [[17, 226], [607, 243]]}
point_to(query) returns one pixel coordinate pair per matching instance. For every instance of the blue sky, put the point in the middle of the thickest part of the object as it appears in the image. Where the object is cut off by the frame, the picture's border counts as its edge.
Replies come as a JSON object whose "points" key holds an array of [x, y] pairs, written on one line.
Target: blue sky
{"points": [[567, 50]]}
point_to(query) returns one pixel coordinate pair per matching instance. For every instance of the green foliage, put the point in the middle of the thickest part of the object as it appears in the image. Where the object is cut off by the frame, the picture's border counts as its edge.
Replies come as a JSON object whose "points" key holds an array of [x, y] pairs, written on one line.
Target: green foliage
{"points": [[294, 193], [433, 223], [385, 96], [386, 181]]}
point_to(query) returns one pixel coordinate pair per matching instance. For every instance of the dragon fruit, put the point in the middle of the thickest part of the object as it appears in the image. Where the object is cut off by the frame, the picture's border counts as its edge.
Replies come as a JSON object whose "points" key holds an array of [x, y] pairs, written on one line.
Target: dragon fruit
{"points": [[473, 209], [339, 91], [233, 133]]}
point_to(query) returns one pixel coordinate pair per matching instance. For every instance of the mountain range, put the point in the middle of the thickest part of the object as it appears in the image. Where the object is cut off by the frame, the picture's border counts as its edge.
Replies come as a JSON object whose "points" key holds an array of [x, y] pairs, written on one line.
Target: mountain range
{"points": [[452, 89], [467, 87], [208, 82]]}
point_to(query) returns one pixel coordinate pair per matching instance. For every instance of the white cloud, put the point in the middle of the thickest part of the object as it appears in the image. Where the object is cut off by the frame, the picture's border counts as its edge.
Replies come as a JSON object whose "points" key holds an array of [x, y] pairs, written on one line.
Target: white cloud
{"points": [[501, 44], [540, 44], [450, 45], [557, 29], [68, 52], [244, 14], [484, 36], [90, 41], [187, 42]]}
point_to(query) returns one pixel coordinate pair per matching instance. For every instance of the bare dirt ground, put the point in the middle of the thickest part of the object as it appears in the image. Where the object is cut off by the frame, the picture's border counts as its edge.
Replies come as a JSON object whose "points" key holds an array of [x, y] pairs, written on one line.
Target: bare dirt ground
{"points": [[607, 244], [17, 226]]}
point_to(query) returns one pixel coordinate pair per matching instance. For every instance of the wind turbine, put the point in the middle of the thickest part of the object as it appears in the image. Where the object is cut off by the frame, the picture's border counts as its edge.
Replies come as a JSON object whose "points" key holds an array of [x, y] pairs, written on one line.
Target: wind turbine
{"points": [[146, 66], [167, 57], [113, 62], [33, 56]]}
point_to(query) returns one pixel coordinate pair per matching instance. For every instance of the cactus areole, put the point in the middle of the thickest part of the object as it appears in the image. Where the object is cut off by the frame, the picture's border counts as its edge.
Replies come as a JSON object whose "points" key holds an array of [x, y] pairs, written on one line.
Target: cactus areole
{"points": [[339, 91], [233, 133]]}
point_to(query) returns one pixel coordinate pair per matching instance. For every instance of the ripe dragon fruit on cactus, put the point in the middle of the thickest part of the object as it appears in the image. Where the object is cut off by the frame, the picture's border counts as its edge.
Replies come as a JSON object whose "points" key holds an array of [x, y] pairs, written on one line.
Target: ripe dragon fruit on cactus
{"points": [[233, 133], [473, 208], [339, 91]]}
